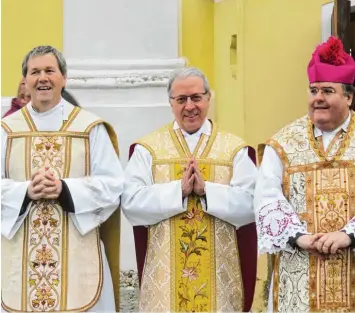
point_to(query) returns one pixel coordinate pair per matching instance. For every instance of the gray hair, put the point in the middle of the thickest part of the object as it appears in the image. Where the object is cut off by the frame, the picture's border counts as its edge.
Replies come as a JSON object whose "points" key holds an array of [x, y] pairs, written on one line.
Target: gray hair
{"points": [[349, 90], [43, 50], [188, 72]]}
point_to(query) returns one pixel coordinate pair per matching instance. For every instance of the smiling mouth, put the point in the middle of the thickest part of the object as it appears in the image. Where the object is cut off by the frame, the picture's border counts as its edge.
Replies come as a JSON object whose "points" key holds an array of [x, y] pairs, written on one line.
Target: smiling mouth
{"points": [[44, 88], [321, 108]]}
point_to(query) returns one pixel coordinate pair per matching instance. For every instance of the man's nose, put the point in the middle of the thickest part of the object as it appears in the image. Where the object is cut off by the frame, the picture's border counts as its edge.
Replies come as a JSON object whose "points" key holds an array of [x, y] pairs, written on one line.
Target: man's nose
{"points": [[43, 75], [189, 104], [319, 97]]}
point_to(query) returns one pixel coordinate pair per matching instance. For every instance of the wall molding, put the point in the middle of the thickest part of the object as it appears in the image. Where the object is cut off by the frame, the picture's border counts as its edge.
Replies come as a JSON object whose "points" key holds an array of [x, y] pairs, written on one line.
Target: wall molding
{"points": [[118, 73], [6, 103]]}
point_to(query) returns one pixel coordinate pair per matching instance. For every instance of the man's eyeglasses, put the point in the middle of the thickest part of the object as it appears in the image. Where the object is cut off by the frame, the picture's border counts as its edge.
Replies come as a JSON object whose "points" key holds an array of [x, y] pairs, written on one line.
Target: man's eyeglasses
{"points": [[195, 98], [327, 91]]}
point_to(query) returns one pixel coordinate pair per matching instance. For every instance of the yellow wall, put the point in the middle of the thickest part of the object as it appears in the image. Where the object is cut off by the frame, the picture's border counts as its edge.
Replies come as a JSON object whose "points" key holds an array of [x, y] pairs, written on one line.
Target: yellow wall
{"points": [[280, 37], [228, 73], [26, 24], [196, 27]]}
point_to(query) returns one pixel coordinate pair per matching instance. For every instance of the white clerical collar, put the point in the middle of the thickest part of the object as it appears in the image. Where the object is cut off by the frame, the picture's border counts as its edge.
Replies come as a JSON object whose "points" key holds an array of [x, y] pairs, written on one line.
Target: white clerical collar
{"points": [[60, 108], [344, 126], [206, 129]]}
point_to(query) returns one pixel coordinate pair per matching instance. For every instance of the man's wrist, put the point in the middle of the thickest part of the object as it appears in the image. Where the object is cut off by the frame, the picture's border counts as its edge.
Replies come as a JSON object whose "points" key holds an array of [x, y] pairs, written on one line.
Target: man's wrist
{"points": [[293, 240], [352, 238]]}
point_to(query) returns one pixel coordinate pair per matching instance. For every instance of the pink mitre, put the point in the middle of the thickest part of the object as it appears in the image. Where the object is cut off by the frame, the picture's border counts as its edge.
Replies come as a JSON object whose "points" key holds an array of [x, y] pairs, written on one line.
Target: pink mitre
{"points": [[330, 63]]}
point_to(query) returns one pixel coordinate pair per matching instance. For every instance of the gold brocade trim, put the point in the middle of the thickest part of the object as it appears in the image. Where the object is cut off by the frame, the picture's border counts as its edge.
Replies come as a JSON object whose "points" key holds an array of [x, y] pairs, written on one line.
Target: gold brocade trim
{"points": [[351, 287], [183, 161], [6, 127], [182, 147], [236, 150], [276, 282], [213, 269], [285, 162], [24, 267], [113, 136], [87, 157], [7, 157], [48, 134], [280, 152], [148, 148], [199, 144], [110, 130], [65, 125], [241, 276], [173, 272], [332, 143], [210, 141], [64, 276], [28, 119], [317, 148], [313, 142], [68, 147], [260, 153], [319, 166], [28, 142], [286, 185], [73, 114], [183, 143], [93, 124], [177, 142]]}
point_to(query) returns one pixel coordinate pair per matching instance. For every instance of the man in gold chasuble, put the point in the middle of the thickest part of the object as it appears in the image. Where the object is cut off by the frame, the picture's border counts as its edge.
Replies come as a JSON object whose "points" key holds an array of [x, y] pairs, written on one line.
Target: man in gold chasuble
{"points": [[61, 179], [192, 185], [305, 194]]}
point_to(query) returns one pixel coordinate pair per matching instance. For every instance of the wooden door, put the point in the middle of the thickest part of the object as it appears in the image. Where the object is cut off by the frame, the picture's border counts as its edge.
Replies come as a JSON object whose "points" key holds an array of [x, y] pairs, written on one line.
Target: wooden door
{"points": [[341, 22]]}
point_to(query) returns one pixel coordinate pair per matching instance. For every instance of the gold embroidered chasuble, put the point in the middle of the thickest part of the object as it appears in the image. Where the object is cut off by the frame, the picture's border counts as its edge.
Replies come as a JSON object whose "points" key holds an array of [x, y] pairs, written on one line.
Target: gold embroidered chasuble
{"points": [[48, 265], [320, 186], [192, 261]]}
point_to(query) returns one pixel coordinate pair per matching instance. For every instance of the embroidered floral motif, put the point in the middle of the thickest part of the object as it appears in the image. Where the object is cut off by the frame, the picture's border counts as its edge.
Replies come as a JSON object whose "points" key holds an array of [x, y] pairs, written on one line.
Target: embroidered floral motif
{"points": [[48, 143], [44, 272], [192, 247], [193, 216], [48, 154], [190, 273], [44, 298]]}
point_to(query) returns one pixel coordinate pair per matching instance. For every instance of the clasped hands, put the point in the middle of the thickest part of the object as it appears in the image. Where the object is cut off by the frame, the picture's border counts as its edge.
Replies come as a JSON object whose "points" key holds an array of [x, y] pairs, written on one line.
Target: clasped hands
{"points": [[44, 185], [323, 244], [192, 180]]}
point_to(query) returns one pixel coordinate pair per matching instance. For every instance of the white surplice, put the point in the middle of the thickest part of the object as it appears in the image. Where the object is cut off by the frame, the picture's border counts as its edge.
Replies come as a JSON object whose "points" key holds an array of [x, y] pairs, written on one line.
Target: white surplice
{"points": [[94, 198], [146, 203], [268, 191]]}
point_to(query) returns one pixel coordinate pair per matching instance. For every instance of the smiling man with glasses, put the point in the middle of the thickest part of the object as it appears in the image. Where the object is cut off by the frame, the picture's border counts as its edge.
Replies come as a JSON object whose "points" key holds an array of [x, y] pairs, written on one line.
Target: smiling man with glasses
{"points": [[192, 184], [304, 198]]}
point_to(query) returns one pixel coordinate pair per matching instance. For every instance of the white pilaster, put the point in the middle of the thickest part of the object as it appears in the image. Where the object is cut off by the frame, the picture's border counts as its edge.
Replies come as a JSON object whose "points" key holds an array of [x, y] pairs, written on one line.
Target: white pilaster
{"points": [[327, 10], [120, 54]]}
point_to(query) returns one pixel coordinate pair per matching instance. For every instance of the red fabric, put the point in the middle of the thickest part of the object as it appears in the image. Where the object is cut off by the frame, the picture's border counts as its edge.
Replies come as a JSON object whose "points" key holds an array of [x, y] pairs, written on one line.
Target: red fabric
{"points": [[247, 244], [15, 106], [330, 63]]}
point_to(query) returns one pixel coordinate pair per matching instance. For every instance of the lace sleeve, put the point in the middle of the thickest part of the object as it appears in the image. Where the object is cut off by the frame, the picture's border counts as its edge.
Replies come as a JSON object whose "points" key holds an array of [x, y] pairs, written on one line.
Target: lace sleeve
{"points": [[276, 224], [350, 227]]}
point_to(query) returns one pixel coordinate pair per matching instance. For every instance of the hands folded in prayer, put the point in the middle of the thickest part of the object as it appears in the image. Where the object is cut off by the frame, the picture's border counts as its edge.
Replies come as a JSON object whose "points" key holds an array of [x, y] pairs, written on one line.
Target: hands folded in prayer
{"points": [[322, 244]]}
